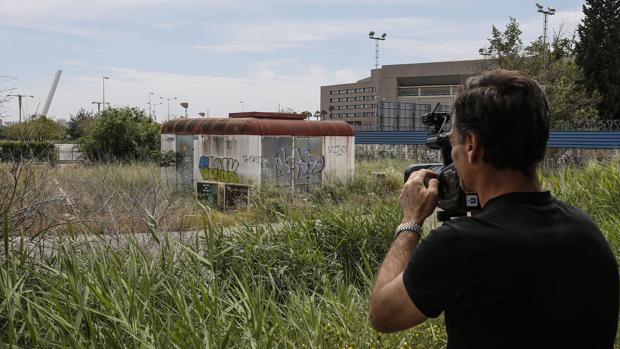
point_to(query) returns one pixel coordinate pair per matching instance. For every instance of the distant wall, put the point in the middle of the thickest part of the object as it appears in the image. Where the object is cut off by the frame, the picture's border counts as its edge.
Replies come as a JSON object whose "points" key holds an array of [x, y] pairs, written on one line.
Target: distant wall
{"points": [[396, 151], [419, 153]]}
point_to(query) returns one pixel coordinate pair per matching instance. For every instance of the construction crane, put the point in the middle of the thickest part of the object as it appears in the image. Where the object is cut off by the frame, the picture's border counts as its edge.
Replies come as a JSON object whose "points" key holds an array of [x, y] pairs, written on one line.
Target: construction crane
{"points": [[50, 96]]}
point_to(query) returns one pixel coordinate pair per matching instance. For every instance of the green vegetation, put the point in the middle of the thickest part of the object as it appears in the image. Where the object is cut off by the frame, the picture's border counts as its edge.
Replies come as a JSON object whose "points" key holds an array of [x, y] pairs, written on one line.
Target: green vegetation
{"points": [[302, 282], [121, 134], [597, 53], [554, 67], [19, 150], [79, 124], [38, 128]]}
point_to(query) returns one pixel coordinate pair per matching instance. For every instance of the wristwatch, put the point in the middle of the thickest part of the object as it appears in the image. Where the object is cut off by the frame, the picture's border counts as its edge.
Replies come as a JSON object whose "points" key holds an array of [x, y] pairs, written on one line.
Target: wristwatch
{"points": [[409, 226]]}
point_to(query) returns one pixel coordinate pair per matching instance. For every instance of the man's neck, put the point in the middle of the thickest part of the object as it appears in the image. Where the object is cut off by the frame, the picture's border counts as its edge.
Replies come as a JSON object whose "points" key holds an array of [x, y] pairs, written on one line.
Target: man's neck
{"points": [[493, 183]]}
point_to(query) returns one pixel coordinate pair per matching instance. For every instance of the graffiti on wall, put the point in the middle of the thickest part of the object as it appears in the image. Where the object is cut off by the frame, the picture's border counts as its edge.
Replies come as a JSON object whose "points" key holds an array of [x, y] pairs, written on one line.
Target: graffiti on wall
{"points": [[219, 169], [252, 159], [337, 150], [295, 163]]}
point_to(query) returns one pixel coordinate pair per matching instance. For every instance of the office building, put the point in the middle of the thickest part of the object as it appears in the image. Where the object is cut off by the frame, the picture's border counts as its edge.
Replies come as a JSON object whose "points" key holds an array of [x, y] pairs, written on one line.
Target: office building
{"points": [[394, 95]]}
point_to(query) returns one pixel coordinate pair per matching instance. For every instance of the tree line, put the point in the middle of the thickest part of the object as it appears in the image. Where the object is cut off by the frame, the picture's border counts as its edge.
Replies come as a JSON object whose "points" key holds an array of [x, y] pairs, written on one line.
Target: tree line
{"points": [[116, 134], [580, 72]]}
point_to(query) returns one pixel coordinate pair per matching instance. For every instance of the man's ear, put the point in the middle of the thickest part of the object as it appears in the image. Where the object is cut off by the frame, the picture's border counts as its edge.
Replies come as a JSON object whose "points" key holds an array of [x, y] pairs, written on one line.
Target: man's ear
{"points": [[474, 148]]}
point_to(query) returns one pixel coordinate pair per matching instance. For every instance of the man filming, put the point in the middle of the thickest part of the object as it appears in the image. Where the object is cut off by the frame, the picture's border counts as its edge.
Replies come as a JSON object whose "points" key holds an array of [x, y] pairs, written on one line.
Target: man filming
{"points": [[527, 271]]}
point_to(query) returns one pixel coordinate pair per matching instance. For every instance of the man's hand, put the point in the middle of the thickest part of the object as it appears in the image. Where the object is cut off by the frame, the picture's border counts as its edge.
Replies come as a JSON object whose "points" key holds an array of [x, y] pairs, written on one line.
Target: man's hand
{"points": [[419, 202]]}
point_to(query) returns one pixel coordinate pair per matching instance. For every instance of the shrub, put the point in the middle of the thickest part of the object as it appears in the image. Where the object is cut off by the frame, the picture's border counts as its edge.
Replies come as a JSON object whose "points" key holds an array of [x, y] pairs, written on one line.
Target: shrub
{"points": [[18, 151], [121, 134], [37, 129], [80, 123]]}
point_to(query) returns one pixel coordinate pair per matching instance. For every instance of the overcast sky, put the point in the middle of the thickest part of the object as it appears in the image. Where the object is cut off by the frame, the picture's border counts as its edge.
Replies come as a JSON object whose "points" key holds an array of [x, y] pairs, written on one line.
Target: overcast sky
{"points": [[216, 53]]}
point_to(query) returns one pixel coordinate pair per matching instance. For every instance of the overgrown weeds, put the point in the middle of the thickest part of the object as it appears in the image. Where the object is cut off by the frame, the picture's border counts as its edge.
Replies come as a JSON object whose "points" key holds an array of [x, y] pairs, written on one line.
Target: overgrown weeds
{"points": [[301, 281]]}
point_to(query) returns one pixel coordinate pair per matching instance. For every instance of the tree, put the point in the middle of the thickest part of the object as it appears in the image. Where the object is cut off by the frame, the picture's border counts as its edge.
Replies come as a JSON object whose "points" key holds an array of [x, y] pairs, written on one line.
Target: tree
{"points": [[598, 53], [79, 124], [121, 134], [507, 45], [553, 67], [306, 114], [37, 128]]}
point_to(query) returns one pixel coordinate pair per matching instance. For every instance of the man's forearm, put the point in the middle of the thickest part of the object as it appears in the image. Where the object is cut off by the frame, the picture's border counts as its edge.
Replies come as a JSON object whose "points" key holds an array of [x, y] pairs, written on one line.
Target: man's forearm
{"points": [[396, 259]]}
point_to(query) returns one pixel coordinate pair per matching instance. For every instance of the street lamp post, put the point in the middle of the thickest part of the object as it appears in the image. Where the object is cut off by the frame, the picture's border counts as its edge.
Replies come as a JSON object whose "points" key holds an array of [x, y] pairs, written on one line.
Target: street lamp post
{"points": [[241, 106], [154, 105], [549, 12], [185, 105], [103, 79], [150, 105], [168, 99], [485, 52], [19, 103], [99, 106], [371, 35]]}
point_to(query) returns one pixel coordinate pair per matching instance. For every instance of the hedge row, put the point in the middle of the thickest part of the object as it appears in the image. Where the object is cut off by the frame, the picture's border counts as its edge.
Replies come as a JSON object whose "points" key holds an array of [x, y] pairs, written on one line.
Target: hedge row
{"points": [[18, 151]]}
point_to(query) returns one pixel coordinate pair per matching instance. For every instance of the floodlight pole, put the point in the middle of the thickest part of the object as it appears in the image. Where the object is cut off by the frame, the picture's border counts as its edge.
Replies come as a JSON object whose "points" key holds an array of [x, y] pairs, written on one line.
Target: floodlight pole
{"points": [[19, 102], [549, 12], [371, 35], [168, 99], [485, 52], [151, 105], [103, 79], [99, 106]]}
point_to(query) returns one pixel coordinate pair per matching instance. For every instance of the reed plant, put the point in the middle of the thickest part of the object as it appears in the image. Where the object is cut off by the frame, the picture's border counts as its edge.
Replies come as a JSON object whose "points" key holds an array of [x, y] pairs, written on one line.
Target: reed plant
{"points": [[299, 279]]}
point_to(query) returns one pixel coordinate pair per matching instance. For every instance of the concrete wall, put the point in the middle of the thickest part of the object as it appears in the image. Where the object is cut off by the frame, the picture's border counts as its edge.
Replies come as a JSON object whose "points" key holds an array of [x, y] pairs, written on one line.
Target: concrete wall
{"points": [[168, 174], [261, 160], [554, 158], [68, 152], [415, 152], [292, 161], [339, 158], [230, 159]]}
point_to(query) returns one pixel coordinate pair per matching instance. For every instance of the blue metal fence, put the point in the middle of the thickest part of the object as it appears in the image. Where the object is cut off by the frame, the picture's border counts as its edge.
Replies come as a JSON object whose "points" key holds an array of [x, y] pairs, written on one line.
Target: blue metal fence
{"points": [[557, 139]]}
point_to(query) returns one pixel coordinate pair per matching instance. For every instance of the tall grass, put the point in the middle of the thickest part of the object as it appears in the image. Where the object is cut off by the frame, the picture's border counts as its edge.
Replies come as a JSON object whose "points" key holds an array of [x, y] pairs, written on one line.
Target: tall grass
{"points": [[595, 188], [301, 283]]}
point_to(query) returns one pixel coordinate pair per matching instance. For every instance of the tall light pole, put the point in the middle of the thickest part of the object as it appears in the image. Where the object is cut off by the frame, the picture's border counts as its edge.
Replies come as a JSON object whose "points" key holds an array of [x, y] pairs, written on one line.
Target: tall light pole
{"points": [[103, 79], [150, 105], [19, 102], [99, 106], [549, 12], [168, 99], [485, 52], [185, 105], [241, 106], [371, 35], [154, 105]]}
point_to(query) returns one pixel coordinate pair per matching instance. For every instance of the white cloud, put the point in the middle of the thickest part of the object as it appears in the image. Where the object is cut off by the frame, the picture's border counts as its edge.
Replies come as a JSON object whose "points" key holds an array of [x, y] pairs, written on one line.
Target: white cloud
{"points": [[172, 25], [262, 90]]}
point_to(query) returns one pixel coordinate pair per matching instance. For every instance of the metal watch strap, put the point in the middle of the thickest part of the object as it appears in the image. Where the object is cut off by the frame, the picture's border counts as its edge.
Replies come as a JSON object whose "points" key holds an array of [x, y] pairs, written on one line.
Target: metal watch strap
{"points": [[409, 226]]}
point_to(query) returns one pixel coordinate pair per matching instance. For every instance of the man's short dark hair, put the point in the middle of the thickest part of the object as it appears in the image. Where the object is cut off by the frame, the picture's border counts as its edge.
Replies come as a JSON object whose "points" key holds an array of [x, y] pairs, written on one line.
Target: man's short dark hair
{"points": [[509, 113]]}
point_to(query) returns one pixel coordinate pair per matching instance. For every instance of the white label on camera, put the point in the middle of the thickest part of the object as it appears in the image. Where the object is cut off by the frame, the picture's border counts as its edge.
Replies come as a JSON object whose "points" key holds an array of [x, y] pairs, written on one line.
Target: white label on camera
{"points": [[471, 200]]}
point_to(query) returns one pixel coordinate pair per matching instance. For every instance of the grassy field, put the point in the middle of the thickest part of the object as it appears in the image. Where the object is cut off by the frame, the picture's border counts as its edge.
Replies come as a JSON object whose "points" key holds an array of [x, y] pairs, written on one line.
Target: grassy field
{"points": [[305, 285]]}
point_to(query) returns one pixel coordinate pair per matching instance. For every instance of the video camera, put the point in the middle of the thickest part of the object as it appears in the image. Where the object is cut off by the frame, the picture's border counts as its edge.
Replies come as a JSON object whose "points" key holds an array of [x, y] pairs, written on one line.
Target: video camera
{"points": [[453, 201]]}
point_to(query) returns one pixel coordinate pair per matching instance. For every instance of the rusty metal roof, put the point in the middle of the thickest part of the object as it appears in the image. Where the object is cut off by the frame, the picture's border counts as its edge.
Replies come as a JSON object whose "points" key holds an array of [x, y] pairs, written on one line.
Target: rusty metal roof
{"points": [[263, 115], [257, 126]]}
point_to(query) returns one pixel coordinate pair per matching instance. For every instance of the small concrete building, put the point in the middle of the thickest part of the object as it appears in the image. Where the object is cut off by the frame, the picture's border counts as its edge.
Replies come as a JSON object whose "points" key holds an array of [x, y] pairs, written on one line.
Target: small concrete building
{"points": [[258, 149]]}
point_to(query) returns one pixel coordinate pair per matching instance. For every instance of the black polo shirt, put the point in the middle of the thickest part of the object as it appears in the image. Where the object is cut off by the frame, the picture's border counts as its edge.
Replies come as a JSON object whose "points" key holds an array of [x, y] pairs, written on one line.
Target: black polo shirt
{"points": [[528, 271]]}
